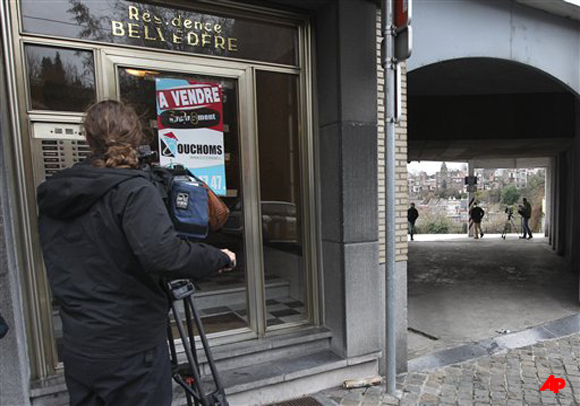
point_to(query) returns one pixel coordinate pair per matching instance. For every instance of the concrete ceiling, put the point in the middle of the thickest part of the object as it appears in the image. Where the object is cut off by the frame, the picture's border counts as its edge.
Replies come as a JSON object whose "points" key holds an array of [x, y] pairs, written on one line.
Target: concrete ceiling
{"points": [[479, 76], [464, 150], [564, 8]]}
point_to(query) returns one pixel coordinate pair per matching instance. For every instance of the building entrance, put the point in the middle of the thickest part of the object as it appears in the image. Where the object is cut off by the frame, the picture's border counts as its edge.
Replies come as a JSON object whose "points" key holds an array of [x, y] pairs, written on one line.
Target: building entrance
{"points": [[213, 95]]}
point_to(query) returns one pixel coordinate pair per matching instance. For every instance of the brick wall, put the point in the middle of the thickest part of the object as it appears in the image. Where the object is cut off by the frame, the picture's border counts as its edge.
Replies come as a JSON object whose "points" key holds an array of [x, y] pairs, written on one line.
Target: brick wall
{"points": [[402, 193]]}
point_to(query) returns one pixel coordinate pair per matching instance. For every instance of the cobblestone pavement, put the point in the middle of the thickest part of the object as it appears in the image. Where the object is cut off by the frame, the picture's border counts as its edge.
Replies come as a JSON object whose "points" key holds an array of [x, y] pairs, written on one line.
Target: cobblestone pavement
{"points": [[511, 378]]}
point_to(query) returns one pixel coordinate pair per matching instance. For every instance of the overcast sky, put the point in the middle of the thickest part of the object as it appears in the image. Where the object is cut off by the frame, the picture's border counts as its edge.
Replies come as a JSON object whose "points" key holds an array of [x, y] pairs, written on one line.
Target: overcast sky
{"points": [[432, 167]]}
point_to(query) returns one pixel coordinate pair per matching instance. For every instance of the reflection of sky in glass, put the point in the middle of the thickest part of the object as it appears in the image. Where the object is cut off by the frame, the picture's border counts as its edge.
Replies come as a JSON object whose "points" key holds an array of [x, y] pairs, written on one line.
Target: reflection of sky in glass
{"points": [[91, 19]]}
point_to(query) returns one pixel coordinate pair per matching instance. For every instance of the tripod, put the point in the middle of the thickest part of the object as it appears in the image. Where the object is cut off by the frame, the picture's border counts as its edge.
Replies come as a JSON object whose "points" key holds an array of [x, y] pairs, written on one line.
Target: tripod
{"points": [[187, 375], [509, 225]]}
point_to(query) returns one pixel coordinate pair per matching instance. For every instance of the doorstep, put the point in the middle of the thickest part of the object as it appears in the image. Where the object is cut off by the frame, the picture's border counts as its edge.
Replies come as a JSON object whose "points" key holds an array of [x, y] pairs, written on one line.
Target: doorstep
{"points": [[292, 377], [275, 364]]}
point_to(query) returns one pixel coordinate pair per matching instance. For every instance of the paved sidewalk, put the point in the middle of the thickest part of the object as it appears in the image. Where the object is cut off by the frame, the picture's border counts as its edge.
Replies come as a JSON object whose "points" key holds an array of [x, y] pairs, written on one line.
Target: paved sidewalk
{"points": [[510, 378]]}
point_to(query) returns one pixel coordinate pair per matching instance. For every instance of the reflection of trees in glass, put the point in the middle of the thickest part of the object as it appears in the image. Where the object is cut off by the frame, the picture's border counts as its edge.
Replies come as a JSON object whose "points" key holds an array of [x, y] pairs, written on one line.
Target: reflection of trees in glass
{"points": [[59, 79], [91, 28], [139, 92], [91, 25], [97, 26]]}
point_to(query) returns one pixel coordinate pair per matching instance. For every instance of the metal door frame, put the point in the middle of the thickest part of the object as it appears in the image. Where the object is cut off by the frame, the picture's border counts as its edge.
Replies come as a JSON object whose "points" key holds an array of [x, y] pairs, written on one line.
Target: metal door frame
{"points": [[113, 59]]}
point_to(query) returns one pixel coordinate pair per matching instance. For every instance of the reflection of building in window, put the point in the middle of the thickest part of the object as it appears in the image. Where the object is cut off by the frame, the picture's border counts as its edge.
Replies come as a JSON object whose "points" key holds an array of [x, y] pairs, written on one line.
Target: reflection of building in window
{"points": [[60, 79]]}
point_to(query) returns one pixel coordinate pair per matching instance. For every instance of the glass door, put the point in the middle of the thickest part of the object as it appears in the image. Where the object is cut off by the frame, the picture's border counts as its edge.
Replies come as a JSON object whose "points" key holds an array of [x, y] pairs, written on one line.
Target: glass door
{"points": [[191, 115], [255, 163]]}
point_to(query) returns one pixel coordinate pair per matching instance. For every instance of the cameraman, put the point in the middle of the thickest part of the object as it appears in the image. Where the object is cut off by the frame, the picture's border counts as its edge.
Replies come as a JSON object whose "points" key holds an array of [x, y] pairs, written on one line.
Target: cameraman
{"points": [[525, 210], [108, 242]]}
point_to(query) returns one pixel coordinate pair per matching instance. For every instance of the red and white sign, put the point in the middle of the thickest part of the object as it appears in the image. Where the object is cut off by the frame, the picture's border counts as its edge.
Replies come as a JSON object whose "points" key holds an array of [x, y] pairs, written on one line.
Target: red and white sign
{"points": [[190, 124], [402, 14]]}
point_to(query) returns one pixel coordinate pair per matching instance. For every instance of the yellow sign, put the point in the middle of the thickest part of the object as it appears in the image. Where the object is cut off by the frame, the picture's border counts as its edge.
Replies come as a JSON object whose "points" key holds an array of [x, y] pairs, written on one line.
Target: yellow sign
{"points": [[146, 25]]}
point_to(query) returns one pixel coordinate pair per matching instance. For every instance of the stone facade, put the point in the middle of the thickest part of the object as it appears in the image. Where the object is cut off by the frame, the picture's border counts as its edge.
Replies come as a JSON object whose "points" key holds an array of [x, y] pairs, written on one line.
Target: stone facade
{"points": [[401, 158], [14, 373]]}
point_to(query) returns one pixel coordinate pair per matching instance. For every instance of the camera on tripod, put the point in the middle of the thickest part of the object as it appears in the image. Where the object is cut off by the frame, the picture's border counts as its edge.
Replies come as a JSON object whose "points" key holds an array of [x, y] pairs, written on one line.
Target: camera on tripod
{"points": [[509, 211], [509, 225]]}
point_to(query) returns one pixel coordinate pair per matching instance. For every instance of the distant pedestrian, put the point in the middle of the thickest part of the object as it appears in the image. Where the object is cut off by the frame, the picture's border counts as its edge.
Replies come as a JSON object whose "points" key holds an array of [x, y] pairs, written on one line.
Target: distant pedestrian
{"points": [[3, 327], [525, 210], [476, 214], [412, 216]]}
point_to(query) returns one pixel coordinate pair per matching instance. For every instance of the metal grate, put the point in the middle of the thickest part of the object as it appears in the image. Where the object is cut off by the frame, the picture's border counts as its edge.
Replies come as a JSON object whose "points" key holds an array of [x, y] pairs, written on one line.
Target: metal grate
{"points": [[299, 402]]}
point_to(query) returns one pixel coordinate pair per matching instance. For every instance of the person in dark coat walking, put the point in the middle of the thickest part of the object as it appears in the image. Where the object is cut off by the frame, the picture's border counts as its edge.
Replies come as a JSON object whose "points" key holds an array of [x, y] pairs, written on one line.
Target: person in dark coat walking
{"points": [[476, 214], [412, 216], [108, 242]]}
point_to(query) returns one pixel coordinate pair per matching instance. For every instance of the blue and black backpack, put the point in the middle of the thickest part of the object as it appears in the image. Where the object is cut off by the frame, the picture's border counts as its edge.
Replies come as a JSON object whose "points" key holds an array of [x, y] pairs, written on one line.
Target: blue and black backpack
{"points": [[186, 198]]}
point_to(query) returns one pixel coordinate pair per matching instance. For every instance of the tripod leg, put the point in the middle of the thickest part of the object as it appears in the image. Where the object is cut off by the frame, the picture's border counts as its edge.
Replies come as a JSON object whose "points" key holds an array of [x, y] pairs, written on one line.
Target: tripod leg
{"points": [[189, 353], [190, 333], [172, 352], [207, 350]]}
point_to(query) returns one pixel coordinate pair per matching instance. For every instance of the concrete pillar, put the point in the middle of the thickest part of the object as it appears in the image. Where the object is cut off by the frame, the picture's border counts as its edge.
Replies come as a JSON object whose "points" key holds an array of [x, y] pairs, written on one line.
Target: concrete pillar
{"points": [[561, 200], [568, 219], [553, 201], [548, 206], [14, 364], [347, 88], [470, 195], [575, 220]]}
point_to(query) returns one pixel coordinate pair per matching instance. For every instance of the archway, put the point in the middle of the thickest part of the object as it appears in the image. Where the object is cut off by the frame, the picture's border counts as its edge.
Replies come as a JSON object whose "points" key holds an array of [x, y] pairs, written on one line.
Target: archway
{"points": [[492, 110]]}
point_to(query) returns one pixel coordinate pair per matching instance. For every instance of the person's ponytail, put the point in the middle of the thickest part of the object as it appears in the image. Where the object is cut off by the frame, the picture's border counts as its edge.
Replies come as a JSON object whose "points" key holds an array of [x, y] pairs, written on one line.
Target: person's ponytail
{"points": [[121, 156], [113, 131]]}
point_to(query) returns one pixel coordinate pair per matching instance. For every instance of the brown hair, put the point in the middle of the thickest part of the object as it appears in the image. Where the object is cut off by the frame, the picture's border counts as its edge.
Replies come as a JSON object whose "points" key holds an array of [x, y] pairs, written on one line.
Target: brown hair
{"points": [[113, 131]]}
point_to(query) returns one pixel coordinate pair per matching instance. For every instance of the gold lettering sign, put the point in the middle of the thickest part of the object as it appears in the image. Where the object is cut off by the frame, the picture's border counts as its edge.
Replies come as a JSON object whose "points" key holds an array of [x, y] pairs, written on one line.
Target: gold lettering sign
{"points": [[178, 29]]}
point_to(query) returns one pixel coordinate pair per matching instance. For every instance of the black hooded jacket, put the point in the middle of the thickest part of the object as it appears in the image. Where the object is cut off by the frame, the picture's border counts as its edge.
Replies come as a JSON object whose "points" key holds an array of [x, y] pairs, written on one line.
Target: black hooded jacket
{"points": [[107, 241]]}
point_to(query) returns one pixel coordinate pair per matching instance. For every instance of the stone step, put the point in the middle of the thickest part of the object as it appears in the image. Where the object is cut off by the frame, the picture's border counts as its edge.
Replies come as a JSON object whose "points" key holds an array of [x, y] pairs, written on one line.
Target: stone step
{"points": [[290, 377], [241, 354], [245, 367]]}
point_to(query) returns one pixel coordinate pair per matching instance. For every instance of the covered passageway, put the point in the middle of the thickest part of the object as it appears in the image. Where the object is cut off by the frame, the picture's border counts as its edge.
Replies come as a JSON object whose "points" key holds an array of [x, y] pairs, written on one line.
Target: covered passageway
{"points": [[494, 113]]}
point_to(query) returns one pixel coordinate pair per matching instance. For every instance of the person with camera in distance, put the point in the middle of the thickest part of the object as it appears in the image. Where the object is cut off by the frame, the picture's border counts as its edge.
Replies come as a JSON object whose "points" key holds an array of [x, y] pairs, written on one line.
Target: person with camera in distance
{"points": [[412, 216], [108, 242], [476, 214], [525, 210]]}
